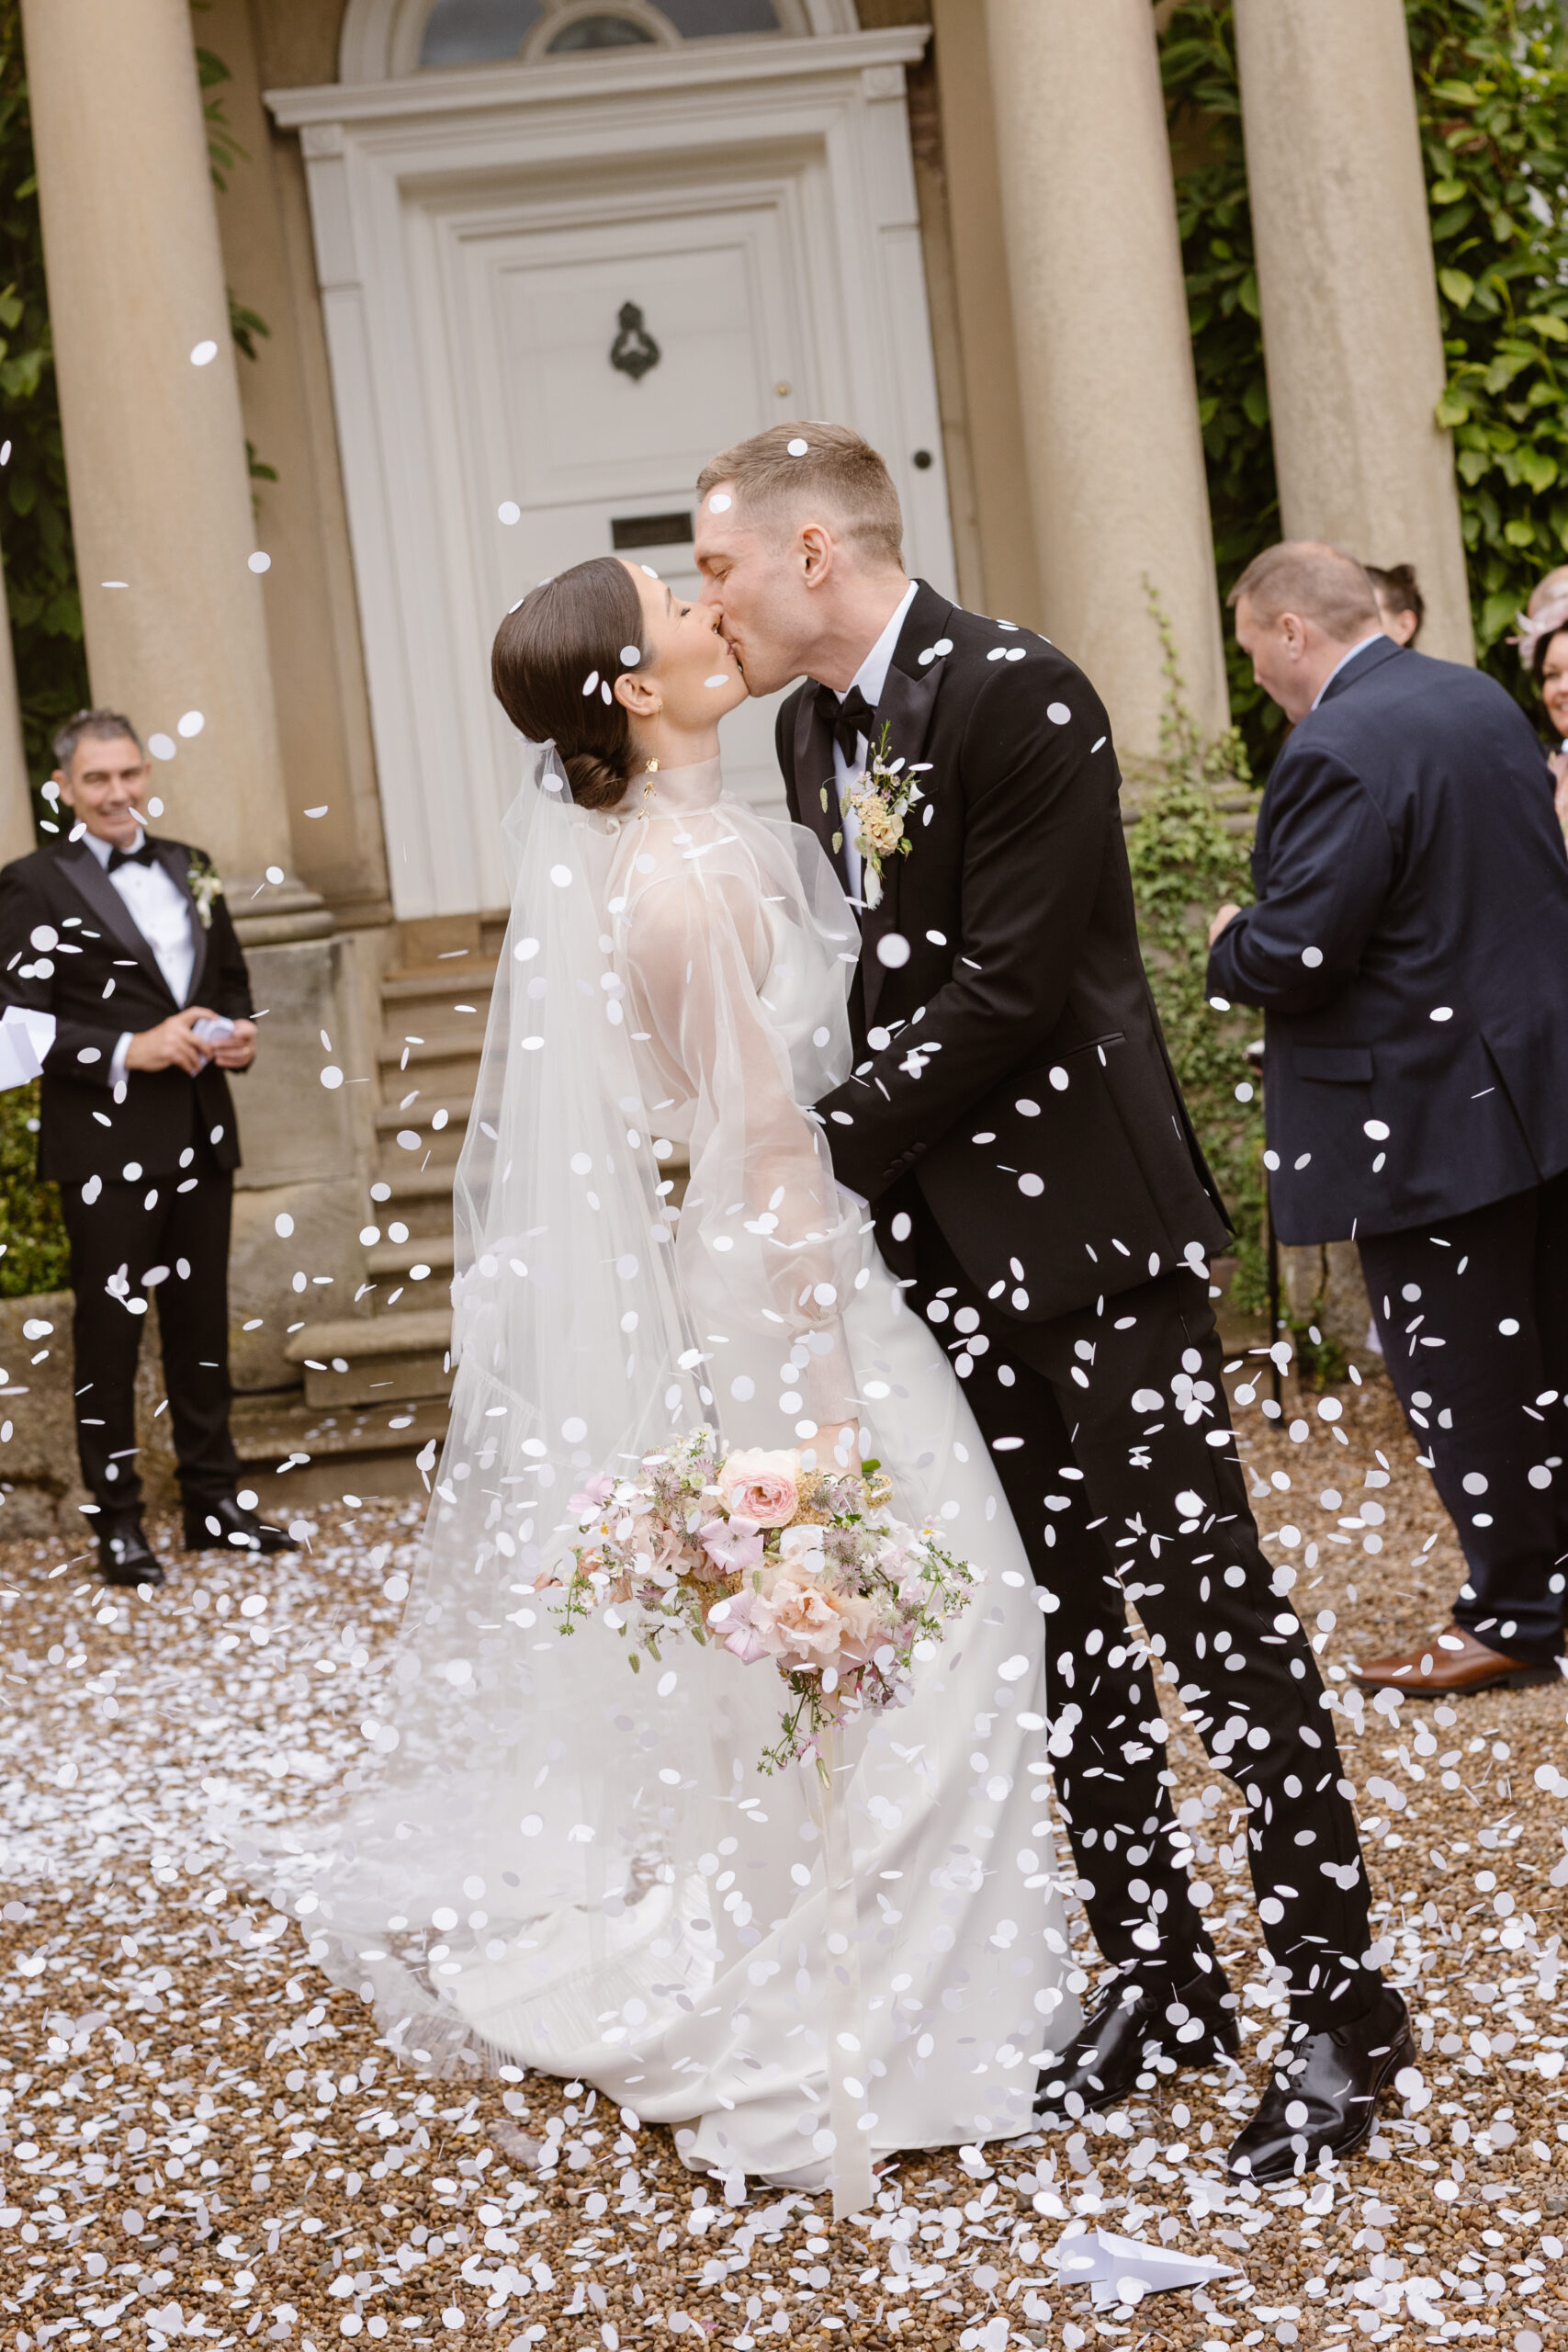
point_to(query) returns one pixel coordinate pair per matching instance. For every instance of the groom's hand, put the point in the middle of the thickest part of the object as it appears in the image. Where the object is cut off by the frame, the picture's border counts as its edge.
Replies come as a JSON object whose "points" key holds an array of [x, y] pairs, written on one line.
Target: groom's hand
{"points": [[1226, 915]]}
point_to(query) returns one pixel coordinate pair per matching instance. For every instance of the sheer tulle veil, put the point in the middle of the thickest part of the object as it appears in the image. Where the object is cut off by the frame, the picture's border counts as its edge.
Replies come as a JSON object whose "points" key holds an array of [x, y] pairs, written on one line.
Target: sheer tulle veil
{"points": [[548, 1856], [523, 1775]]}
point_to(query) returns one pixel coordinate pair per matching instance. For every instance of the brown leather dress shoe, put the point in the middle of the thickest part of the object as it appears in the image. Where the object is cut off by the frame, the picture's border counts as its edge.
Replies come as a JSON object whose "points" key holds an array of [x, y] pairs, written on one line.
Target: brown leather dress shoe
{"points": [[1453, 1664]]}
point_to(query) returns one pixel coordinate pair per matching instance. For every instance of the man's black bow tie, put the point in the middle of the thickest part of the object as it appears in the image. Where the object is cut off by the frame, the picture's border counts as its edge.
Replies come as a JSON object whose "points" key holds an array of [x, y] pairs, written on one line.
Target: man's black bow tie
{"points": [[847, 720], [145, 855]]}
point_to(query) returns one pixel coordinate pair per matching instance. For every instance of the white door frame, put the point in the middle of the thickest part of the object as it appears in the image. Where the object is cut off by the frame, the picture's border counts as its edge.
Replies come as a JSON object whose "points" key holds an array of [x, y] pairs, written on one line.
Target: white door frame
{"points": [[376, 153]]}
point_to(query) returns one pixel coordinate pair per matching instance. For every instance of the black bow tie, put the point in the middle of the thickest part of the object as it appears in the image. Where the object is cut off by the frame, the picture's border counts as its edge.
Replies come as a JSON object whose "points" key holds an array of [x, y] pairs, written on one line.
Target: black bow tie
{"points": [[848, 720], [145, 855]]}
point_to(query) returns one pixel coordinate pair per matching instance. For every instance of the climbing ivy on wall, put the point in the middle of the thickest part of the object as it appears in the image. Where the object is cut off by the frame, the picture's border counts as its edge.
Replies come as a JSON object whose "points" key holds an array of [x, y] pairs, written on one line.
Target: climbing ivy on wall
{"points": [[35, 511], [1491, 96], [1188, 850]]}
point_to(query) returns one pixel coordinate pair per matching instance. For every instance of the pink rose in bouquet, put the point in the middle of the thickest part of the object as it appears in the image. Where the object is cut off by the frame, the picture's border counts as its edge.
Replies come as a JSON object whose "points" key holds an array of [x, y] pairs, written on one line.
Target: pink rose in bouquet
{"points": [[596, 1492], [761, 1487]]}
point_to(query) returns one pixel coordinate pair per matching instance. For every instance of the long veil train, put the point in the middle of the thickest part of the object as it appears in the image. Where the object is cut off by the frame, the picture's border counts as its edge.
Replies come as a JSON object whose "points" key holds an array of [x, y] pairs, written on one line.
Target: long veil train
{"points": [[554, 1860]]}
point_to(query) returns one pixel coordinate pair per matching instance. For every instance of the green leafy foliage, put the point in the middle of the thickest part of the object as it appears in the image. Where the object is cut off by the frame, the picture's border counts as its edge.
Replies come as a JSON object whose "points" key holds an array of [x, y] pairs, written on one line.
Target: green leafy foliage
{"points": [[1492, 79], [36, 1255], [1491, 96], [35, 511], [1215, 220], [1187, 860]]}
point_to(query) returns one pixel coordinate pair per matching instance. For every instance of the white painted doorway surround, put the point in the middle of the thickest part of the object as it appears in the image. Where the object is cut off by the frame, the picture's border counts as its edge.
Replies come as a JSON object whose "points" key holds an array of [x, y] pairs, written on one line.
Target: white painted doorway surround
{"points": [[478, 231]]}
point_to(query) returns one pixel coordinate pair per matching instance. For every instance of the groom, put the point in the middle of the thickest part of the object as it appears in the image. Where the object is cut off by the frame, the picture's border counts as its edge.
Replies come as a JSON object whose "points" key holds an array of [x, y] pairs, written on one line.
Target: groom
{"points": [[1014, 1122]]}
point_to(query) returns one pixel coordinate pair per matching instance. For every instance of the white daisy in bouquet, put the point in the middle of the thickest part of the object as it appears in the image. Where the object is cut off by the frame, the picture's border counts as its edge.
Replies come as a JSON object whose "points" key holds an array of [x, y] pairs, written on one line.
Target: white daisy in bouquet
{"points": [[749, 1550]]}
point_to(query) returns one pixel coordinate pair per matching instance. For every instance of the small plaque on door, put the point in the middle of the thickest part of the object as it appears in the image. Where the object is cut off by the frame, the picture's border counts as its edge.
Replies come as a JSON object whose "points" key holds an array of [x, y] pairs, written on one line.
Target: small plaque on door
{"points": [[629, 531]]}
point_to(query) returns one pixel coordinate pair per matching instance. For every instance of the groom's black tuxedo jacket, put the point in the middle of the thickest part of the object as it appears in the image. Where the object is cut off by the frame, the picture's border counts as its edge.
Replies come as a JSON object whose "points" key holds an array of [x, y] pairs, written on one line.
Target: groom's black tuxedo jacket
{"points": [[1012, 1068], [105, 980]]}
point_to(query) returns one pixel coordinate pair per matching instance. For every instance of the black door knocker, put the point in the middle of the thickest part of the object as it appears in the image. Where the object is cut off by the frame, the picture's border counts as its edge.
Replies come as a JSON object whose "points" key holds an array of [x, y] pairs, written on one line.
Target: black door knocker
{"points": [[634, 351]]}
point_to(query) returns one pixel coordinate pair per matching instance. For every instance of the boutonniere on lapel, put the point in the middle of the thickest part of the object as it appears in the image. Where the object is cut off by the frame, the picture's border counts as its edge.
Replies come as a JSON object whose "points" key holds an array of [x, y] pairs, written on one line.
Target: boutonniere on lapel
{"points": [[881, 797], [204, 883]]}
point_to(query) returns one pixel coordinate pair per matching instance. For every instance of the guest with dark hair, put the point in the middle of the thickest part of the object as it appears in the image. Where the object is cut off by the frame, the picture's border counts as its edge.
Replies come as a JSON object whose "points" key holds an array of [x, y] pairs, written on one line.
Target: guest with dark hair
{"points": [[1401, 606], [1549, 667]]}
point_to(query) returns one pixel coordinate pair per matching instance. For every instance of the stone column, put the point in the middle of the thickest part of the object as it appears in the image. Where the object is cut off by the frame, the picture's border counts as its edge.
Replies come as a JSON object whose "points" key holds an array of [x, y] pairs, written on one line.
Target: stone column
{"points": [[17, 838], [1109, 403], [155, 445], [1348, 293]]}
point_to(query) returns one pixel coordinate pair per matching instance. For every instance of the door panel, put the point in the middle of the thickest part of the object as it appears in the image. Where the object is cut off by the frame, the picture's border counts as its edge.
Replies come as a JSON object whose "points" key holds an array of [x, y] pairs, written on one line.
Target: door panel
{"points": [[579, 445]]}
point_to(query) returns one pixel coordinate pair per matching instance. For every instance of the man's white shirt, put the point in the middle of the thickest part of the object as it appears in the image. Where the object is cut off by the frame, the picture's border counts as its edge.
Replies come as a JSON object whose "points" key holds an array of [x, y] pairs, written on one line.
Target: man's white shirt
{"points": [[1375, 637], [871, 677], [161, 912]]}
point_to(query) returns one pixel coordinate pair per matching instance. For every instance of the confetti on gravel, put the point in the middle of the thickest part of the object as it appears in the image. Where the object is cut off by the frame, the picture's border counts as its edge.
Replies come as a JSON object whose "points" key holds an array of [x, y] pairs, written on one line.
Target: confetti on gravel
{"points": [[200, 2137]]}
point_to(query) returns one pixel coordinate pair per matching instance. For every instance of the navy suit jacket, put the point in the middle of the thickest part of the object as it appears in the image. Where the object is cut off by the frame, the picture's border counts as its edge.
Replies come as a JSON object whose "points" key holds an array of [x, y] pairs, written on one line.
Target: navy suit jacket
{"points": [[1409, 949]]}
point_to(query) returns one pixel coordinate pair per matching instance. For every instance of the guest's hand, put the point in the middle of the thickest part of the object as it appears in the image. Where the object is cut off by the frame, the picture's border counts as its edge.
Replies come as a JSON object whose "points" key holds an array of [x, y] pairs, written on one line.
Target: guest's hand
{"points": [[171, 1044], [238, 1050], [1226, 915]]}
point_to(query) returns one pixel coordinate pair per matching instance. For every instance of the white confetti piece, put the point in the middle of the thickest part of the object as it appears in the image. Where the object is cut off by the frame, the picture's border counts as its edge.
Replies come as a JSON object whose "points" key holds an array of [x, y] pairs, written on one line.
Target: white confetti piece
{"points": [[203, 353], [259, 561], [190, 724]]}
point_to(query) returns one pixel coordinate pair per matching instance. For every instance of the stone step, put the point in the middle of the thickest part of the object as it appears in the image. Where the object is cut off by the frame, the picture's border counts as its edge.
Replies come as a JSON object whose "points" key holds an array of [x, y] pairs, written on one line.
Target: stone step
{"points": [[441, 989], [295, 1455], [422, 1201], [440, 1144], [375, 1359], [450, 1062], [385, 1261]]}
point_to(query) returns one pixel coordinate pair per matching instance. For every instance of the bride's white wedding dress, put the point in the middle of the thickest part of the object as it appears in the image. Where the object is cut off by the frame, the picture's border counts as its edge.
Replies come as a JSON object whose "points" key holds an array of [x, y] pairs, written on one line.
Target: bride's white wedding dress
{"points": [[574, 1867]]}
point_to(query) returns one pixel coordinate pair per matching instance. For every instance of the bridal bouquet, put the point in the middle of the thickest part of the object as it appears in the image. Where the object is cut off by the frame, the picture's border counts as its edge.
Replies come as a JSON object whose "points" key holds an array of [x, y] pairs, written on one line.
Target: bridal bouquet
{"points": [[806, 1568]]}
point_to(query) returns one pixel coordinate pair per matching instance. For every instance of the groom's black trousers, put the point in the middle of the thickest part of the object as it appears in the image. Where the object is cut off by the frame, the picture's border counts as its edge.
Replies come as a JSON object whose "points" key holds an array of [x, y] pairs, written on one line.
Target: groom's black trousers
{"points": [[1093, 1486]]}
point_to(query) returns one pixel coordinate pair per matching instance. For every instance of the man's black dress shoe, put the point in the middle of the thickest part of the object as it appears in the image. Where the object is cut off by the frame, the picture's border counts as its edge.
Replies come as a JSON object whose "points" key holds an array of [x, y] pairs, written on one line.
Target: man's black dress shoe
{"points": [[125, 1556], [1324, 2092], [225, 1525], [1132, 2026]]}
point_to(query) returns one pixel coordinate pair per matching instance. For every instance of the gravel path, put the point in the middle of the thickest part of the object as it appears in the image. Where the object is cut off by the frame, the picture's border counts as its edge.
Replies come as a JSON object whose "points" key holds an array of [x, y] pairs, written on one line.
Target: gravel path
{"points": [[199, 2138]]}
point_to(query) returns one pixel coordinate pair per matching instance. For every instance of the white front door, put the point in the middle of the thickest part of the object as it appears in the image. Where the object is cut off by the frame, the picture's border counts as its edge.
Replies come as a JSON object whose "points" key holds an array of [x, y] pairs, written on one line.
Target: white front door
{"points": [[575, 456], [478, 238]]}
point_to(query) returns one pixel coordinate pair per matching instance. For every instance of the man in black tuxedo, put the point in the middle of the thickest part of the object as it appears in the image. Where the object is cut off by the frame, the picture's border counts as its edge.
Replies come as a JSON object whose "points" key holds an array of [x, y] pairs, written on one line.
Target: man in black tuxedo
{"points": [[1014, 1120], [1409, 948], [127, 941]]}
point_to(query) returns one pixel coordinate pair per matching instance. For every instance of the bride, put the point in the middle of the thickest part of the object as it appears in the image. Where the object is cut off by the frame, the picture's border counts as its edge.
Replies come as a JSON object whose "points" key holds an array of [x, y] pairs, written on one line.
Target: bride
{"points": [[563, 1863]]}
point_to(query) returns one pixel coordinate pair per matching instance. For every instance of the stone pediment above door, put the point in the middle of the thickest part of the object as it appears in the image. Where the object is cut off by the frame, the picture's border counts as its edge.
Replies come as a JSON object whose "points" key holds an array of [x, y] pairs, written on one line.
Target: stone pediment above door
{"points": [[383, 39], [551, 290]]}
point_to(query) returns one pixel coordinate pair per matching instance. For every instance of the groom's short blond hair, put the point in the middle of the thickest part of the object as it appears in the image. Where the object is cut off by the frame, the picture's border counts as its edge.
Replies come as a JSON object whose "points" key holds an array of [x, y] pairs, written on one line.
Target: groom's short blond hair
{"points": [[773, 477]]}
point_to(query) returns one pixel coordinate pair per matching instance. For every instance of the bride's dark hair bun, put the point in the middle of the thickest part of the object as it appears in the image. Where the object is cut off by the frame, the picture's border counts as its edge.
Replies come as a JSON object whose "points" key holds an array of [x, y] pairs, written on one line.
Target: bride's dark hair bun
{"points": [[544, 652]]}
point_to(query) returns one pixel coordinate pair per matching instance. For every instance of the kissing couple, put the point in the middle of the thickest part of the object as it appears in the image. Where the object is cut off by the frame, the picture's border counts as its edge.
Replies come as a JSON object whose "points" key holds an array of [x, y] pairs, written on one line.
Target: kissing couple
{"points": [[946, 1222]]}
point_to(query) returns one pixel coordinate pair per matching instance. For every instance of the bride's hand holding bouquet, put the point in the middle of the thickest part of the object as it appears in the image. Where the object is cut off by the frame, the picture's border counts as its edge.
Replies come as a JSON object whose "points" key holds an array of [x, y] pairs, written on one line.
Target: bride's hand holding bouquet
{"points": [[770, 1559]]}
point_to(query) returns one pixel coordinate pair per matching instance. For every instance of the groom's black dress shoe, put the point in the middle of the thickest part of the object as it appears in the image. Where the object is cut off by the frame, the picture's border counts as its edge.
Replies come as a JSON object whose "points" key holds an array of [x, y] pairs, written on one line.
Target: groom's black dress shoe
{"points": [[1324, 2092], [225, 1525], [1128, 2029], [125, 1556]]}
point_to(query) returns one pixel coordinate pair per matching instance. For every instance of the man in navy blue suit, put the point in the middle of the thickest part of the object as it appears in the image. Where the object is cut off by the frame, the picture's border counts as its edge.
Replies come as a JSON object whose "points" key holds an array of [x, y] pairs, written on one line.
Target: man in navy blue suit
{"points": [[1409, 949]]}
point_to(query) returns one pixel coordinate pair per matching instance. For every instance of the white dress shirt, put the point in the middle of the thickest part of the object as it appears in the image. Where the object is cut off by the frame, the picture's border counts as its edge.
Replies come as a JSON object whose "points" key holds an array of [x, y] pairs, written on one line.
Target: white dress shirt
{"points": [[1373, 637], [871, 677], [161, 912]]}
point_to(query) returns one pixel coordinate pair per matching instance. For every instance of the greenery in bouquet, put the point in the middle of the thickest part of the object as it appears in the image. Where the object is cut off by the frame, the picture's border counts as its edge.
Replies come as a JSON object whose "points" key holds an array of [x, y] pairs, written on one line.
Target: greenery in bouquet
{"points": [[753, 1552]]}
